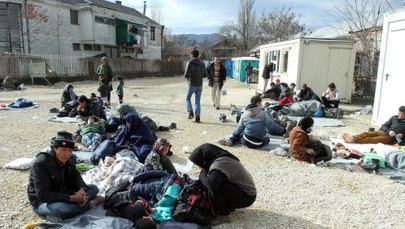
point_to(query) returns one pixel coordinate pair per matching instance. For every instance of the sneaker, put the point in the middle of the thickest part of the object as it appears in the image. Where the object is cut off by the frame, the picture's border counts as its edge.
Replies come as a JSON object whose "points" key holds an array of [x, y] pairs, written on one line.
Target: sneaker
{"points": [[173, 125], [219, 219], [54, 219], [197, 119], [190, 115], [217, 108]]}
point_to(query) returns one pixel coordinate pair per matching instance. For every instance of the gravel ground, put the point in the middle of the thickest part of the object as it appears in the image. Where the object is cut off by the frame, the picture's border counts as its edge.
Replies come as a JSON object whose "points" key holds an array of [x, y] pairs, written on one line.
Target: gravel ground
{"points": [[291, 194]]}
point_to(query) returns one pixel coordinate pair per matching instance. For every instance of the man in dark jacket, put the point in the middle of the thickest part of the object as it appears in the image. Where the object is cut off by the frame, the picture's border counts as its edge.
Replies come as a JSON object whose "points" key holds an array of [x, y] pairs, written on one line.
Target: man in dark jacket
{"points": [[88, 108], [216, 80], [391, 132], [305, 94], [195, 72], [56, 189]]}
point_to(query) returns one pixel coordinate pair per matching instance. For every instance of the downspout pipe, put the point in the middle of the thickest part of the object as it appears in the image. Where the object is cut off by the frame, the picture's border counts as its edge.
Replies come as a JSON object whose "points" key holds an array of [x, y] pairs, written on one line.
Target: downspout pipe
{"points": [[27, 24]]}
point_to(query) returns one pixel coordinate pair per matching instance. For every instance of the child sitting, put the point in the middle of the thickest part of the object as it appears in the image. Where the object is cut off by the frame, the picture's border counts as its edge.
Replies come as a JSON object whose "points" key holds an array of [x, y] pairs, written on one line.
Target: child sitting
{"points": [[91, 133], [157, 159]]}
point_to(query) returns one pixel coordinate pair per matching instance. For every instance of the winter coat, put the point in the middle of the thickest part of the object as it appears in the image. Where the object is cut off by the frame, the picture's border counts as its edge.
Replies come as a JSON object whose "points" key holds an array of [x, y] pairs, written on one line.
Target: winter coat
{"points": [[50, 181], [267, 70], [211, 158], [120, 88], [211, 75], [396, 125], [93, 108], [308, 94], [66, 96], [299, 139], [254, 122], [195, 72]]}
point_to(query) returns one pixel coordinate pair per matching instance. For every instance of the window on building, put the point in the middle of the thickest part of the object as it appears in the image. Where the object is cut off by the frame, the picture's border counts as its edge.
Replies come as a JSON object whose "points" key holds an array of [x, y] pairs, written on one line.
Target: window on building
{"points": [[104, 20], [152, 33], [10, 28], [87, 47], [129, 50], [109, 21], [96, 47], [74, 17], [76, 47], [99, 19], [285, 61], [111, 51]]}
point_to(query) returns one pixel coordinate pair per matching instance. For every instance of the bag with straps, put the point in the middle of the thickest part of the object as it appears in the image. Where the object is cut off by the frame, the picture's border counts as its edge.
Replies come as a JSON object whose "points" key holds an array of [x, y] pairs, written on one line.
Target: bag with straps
{"points": [[194, 204]]}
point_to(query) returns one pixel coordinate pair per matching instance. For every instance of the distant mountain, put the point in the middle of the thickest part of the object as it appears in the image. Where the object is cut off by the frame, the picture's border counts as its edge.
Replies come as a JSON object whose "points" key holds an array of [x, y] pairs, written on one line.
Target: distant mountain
{"points": [[211, 38]]}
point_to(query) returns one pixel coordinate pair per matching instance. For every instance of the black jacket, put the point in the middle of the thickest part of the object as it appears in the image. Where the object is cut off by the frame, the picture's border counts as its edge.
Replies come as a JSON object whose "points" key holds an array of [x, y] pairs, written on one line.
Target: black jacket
{"points": [[396, 125], [93, 109], [267, 70], [308, 94], [50, 181], [195, 72], [211, 75]]}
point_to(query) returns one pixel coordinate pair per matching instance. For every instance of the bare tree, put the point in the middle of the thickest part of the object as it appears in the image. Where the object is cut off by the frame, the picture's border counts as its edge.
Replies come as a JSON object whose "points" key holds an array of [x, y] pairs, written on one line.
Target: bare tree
{"points": [[245, 29], [156, 11], [363, 18], [279, 24]]}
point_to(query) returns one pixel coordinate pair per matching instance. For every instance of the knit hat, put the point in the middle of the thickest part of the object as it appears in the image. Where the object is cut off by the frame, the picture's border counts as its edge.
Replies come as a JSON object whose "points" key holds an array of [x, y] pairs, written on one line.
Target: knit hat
{"points": [[278, 81], [63, 139]]}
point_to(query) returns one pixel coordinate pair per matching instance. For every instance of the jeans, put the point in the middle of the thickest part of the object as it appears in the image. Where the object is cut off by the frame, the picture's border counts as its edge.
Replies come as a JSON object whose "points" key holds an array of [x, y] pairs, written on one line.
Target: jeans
{"points": [[66, 210], [198, 91], [216, 94], [92, 140]]}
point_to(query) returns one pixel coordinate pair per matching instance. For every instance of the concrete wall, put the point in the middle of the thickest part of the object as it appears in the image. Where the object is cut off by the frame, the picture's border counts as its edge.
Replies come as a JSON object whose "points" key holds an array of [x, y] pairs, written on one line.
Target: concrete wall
{"points": [[51, 32]]}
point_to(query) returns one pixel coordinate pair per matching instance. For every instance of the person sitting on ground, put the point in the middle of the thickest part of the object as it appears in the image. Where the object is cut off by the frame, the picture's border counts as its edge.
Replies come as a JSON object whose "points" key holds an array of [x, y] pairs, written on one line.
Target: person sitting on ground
{"points": [[69, 102], [135, 135], [292, 87], [302, 149], [90, 134], [68, 95], [331, 97], [286, 95], [391, 132], [273, 93], [87, 108], [229, 184], [113, 122], [158, 160], [305, 94], [56, 189], [252, 127]]}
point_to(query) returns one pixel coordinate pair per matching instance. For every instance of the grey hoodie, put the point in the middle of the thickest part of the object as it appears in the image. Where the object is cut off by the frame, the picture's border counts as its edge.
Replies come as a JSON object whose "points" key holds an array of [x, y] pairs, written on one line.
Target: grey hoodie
{"points": [[253, 123]]}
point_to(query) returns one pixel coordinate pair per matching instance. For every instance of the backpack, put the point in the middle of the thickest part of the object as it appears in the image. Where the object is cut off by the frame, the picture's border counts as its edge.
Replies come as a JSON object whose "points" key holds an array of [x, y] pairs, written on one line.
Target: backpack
{"points": [[333, 113], [194, 204], [150, 123]]}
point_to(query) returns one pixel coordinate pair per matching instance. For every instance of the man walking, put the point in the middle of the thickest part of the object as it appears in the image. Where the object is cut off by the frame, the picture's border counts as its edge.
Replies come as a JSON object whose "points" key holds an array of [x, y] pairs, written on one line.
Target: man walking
{"points": [[216, 80], [195, 72]]}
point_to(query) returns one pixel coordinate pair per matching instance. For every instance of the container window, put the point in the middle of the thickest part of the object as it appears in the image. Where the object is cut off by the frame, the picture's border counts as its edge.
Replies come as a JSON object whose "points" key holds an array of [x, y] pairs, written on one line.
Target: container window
{"points": [[76, 47]]}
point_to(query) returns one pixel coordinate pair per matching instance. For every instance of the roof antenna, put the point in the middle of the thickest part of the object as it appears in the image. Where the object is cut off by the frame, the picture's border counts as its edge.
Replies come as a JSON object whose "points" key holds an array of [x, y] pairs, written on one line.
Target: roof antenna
{"points": [[144, 7]]}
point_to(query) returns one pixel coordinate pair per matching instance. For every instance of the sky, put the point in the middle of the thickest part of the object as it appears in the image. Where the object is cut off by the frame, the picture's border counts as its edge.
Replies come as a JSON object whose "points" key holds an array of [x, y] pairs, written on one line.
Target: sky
{"points": [[202, 17]]}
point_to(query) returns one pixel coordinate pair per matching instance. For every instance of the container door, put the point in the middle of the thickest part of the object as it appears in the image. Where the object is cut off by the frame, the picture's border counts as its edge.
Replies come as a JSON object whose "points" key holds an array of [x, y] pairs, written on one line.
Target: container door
{"points": [[339, 59], [391, 78]]}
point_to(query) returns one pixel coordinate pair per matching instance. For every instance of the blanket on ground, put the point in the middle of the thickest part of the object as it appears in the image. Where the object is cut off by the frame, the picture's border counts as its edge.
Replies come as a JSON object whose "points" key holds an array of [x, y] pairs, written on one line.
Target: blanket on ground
{"points": [[105, 176], [320, 121], [77, 119], [275, 142], [394, 157]]}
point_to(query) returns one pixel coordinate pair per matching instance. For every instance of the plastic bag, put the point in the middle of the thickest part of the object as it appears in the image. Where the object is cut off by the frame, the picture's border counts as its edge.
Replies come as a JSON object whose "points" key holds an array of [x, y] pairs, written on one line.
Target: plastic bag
{"points": [[223, 90]]}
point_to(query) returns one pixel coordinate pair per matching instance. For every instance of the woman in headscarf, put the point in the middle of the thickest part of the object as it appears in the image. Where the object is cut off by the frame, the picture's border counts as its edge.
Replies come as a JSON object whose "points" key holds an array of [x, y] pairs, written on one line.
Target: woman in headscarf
{"points": [[229, 184], [302, 149], [137, 134], [158, 160], [68, 95]]}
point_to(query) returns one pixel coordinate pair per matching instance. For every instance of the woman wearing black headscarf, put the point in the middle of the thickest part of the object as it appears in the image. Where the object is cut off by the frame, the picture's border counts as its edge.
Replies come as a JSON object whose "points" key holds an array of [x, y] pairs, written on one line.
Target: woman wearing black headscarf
{"points": [[229, 184]]}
